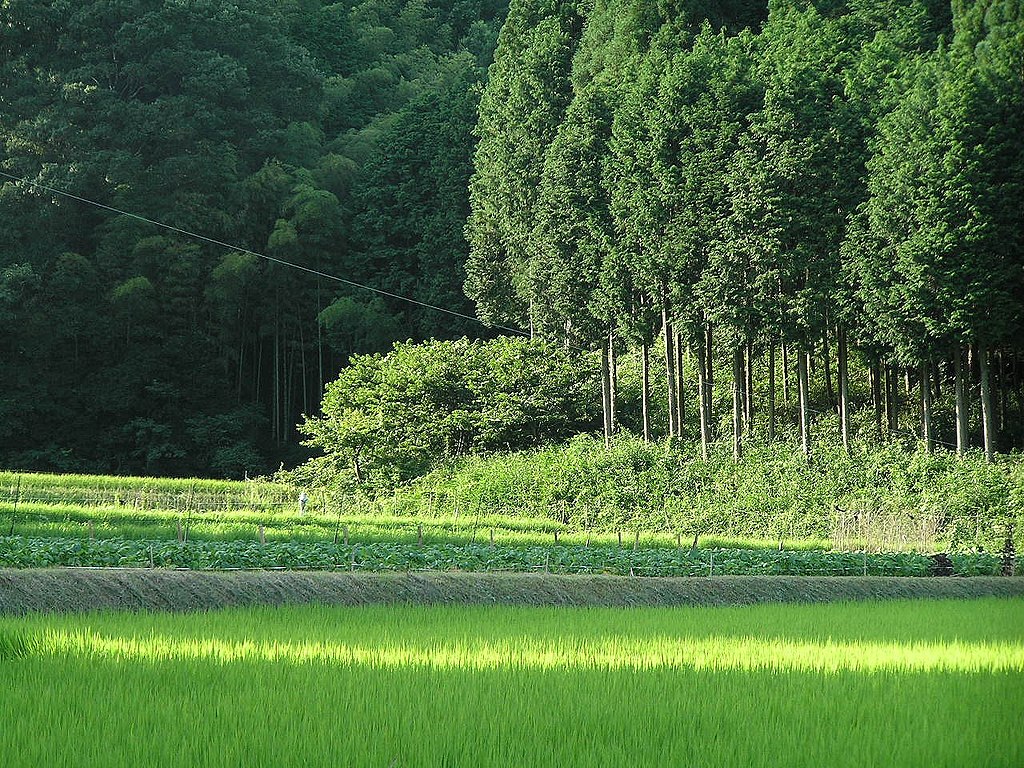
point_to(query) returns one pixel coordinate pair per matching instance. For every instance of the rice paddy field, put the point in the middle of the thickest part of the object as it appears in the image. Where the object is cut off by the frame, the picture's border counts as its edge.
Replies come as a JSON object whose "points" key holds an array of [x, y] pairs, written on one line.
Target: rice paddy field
{"points": [[923, 683]]}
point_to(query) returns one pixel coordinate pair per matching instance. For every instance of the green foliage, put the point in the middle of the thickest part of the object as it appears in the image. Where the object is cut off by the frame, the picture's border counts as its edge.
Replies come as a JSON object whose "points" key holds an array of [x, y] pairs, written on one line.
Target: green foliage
{"points": [[22, 552], [884, 497], [389, 418], [284, 127]]}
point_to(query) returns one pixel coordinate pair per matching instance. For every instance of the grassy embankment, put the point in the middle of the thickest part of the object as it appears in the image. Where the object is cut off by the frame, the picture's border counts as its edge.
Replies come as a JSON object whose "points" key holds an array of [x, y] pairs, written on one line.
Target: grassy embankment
{"points": [[901, 684], [882, 498]]}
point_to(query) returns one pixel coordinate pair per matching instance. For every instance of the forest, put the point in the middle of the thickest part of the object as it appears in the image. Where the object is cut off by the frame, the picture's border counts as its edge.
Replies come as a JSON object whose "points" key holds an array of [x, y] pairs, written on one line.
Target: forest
{"points": [[734, 221], [336, 136], [834, 187]]}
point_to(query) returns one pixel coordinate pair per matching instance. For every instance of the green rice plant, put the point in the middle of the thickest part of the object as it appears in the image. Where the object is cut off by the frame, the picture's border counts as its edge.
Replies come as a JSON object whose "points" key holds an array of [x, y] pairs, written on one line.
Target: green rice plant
{"points": [[902, 684]]}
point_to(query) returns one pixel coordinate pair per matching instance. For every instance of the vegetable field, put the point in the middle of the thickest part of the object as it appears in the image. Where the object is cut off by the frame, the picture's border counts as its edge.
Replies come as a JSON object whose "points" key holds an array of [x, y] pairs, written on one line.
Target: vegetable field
{"points": [[932, 683], [20, 552], [96, 521]]}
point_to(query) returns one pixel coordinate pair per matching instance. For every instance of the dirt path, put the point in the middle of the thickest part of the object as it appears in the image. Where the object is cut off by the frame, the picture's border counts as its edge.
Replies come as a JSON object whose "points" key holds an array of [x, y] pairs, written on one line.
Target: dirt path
{"points": [[79, 589]]}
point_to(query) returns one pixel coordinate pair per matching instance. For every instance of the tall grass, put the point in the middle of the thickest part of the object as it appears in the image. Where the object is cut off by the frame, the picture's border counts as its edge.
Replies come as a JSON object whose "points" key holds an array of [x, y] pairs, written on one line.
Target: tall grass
{"points": [[896, 684], [885, 497]]}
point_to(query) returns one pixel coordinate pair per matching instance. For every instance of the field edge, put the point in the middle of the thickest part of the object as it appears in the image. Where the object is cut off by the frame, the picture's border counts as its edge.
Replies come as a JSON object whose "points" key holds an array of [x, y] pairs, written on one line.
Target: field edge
{"points": [[68, 590]]}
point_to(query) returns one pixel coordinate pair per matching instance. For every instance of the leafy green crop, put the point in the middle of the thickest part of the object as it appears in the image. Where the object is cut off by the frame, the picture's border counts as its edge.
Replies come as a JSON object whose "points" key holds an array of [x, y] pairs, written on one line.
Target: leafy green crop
{"points": [[22, 552]]}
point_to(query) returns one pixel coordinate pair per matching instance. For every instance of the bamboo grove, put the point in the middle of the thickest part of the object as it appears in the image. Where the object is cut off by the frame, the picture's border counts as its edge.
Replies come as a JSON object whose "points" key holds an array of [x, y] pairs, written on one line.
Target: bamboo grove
{"points": [[830, 185]]}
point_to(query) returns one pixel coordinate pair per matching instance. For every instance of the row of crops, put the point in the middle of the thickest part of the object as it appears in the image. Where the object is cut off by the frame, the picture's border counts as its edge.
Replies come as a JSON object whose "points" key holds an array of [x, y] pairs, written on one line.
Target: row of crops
{"points": [[36, 520], [97, 521], [26, 552], [142, 493]]}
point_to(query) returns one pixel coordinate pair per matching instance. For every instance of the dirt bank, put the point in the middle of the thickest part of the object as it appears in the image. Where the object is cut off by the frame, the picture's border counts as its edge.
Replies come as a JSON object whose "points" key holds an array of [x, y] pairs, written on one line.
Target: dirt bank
{"points": [[77, 589]]}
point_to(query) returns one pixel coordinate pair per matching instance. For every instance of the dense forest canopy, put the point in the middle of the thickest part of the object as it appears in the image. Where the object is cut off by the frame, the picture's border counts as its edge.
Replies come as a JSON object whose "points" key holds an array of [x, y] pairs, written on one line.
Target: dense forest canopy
{"points": [[832, 183], [742, 215], [335, 135]]}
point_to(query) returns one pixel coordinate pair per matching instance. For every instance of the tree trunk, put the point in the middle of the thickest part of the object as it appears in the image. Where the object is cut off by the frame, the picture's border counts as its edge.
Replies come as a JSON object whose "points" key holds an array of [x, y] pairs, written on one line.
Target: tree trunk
{"points": [[737, 402], [606, 396], [1003, 388], [259, 372], [276, 432], [987, 420], [613, 383], [802, 386], [702, 385], [962, 414], [926, 407], [680, 388], [785, 374], [709, 390], [748, 384], [319, 344], [241, 364], [305, 383], [771, 391], [645, 389], [670, 368], [827, 360], [844, 389], [876, 395], [891, 389]]}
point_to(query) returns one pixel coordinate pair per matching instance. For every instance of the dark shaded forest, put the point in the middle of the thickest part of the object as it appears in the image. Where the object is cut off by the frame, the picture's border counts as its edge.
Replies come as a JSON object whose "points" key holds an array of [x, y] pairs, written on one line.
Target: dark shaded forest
{"points": [[332, 135]]}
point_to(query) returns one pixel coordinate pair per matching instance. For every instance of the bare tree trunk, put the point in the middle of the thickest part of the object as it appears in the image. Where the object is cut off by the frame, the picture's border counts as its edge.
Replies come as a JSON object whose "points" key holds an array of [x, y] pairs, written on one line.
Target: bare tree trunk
{"points": [[802, 386], [876, 395], [748, 384], [737, 402], [771, 391], [670, 368], [891, 403], [827, 360], [987, 419], [613, 383], [276, 432], [702, 396], [302, 361], [785, 374], [709, 390], [680, 388], [926, 407], [241, 364], [1003, 388], [962, 414], [645, 389], [319, 344], [606, 409], [844, 389], [259, 373]]}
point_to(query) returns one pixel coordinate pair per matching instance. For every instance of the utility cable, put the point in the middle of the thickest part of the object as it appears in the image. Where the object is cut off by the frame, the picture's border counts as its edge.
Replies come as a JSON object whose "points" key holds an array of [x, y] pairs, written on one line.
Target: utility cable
{"points": [[282, 262]]}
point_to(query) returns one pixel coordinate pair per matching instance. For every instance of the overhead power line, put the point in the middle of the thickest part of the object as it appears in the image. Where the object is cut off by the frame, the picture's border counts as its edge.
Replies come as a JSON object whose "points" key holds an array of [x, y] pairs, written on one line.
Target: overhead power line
{"points": [[282, 262]]}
